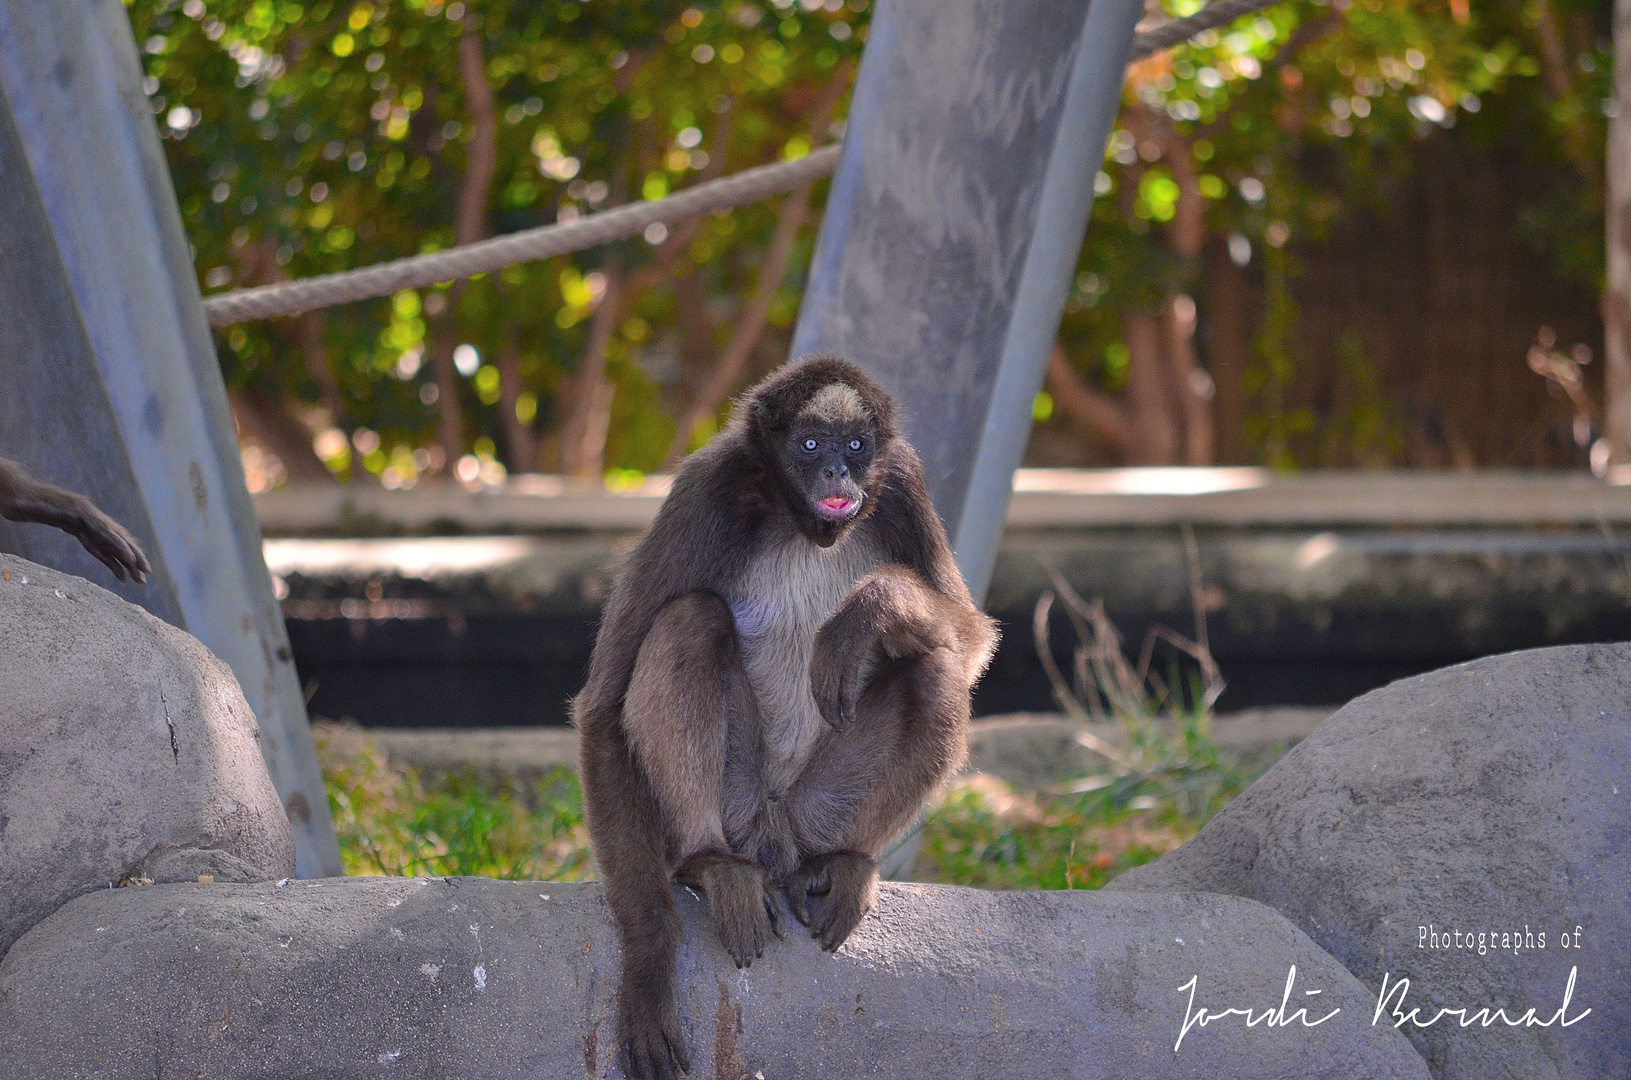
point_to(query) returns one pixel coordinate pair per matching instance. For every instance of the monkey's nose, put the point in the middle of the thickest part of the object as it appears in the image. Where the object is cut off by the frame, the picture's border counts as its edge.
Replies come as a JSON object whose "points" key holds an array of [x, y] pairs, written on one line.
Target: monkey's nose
{"points": [[839, 471]]}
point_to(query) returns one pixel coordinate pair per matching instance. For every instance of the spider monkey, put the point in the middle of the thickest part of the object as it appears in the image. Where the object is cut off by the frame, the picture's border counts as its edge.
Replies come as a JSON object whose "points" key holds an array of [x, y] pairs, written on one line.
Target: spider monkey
{"points": [[22, 498], [782, 675]]}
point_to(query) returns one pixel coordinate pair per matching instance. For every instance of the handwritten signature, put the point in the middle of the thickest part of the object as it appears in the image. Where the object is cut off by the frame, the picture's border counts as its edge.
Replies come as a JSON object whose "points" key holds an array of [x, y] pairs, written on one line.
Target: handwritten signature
{"points": [[1390, 1002]]}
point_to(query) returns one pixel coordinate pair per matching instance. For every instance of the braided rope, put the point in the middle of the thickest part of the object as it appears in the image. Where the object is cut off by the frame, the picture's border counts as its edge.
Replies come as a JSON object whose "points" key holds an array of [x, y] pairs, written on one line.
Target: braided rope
{"points": [[1213, 15], [530, 245]]}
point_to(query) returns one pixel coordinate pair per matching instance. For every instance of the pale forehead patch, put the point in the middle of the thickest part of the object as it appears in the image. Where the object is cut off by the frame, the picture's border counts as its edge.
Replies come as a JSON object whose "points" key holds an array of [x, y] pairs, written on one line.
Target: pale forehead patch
{"points": [[835, 402]]}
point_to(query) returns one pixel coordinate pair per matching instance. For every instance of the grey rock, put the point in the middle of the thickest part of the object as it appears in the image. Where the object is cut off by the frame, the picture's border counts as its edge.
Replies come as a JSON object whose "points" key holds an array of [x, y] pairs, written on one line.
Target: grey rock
{"points": [[1493, 796], [476, 979], [126, 748]]}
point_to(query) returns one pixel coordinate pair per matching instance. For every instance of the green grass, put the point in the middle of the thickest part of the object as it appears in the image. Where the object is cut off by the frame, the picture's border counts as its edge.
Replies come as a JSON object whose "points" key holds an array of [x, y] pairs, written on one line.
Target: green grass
{"points": [[389, 822], [980, 832], [1078, 835]]}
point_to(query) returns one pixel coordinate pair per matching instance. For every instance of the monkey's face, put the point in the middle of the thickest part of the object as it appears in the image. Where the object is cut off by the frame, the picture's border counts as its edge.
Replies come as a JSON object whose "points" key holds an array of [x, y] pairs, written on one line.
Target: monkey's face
{"points": [[829, 463]]}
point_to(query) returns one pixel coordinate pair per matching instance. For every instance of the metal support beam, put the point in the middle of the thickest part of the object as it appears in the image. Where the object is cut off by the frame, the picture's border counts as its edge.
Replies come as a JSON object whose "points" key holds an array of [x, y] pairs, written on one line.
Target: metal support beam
{"points": [[72, 85], [955, 219]]}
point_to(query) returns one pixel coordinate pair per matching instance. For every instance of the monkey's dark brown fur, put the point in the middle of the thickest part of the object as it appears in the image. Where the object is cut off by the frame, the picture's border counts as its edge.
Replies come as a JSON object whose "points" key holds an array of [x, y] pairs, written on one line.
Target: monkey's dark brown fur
{"points": [[22, 498], [781, 677]]}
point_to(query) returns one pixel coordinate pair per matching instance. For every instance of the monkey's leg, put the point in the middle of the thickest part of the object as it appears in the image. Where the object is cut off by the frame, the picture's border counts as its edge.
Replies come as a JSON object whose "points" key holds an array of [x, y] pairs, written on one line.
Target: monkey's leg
{"points": [[868, 779], [687, 714]]}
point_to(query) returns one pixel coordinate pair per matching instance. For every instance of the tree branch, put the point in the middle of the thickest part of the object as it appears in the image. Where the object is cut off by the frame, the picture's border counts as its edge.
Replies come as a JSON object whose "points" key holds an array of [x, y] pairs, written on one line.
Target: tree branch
{"points": [[1087, 405]]}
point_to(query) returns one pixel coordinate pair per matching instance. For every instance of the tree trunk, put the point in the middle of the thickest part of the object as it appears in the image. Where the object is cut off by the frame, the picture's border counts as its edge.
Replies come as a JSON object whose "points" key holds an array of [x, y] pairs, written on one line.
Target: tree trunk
{"points": [[469, 226], [720, 381], [1151, 411], [520, 445], [1229, 349], [1617, 292], [450, 432], [1087, 405], [263, 420], [1188, 393], [1191, 385], [583, 443]]}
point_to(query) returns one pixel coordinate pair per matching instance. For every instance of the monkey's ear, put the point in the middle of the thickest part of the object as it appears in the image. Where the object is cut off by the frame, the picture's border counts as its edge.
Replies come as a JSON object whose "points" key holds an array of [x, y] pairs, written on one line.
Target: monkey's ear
{"points": [[762, 414]]}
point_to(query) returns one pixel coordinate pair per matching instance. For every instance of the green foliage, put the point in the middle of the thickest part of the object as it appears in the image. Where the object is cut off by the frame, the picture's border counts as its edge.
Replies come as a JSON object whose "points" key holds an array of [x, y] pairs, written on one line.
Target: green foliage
{"points": [[1307, 110], [311, 137], [981, 832], [1365, 429], [306, 137], [390, 823]]}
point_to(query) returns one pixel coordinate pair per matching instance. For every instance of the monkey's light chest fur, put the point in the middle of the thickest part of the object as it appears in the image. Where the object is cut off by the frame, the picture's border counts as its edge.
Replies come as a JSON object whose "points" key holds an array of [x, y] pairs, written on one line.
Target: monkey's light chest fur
{"points": [[779, 603]]}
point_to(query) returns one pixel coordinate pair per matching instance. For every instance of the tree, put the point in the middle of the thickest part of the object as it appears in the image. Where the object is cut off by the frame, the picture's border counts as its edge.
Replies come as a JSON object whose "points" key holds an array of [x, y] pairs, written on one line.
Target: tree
{"points": [[329, 135]]}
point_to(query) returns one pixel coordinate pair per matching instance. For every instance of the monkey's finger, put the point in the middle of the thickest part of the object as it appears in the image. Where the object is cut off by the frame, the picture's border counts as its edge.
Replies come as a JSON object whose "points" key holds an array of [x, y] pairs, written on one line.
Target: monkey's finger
{"points": [[104, 558], [798, 902], [773, 909], [111, 547], [819, 882], [839, 920]]}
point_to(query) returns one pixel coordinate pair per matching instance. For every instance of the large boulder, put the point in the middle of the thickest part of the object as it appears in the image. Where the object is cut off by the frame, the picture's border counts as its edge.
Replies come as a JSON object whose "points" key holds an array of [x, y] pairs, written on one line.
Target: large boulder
{"points": [[478, 979], [127, 752], [1468, 830]]}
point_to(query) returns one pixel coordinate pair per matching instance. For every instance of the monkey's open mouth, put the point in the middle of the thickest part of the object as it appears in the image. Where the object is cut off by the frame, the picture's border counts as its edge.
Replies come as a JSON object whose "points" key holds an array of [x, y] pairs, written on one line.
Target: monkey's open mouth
{"points": [[837, 507]]}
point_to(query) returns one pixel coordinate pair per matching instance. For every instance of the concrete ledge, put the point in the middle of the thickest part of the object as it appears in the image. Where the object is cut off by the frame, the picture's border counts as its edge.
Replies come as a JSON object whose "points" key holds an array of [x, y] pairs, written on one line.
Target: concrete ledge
{"points": [[471, 978], [1043, 498]]}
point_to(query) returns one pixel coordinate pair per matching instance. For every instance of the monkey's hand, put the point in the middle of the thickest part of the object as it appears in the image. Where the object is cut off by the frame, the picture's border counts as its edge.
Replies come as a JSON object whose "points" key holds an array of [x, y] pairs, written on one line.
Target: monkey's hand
{"points": [[107, 540], [741, 903], [653, 1044], [890, 614], [830, 893]]}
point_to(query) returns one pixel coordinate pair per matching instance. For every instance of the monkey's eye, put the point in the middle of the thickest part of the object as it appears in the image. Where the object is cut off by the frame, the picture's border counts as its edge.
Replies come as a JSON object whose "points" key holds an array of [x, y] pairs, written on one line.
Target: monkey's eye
{"points": [[855, 445], [810, 445]]}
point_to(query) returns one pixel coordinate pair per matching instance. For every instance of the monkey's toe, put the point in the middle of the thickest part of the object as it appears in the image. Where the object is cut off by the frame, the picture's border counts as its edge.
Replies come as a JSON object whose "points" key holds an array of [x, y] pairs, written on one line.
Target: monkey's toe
{"points": [[831, 893], [742, 906]]}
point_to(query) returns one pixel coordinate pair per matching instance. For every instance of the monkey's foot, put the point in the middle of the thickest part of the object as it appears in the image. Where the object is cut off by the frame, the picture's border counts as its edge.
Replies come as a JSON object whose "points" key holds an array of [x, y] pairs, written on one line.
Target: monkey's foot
{"points": [[743, 907], [830, 893], [653, 1045]]}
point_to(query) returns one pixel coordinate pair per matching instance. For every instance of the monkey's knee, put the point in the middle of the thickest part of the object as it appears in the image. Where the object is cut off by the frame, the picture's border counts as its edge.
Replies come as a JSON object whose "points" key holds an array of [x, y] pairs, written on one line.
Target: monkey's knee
{"points": [[677, 713]]}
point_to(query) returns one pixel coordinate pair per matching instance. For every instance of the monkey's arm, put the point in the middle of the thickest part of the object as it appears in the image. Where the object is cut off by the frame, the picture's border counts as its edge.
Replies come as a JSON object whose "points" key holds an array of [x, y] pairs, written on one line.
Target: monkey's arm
{"points": [[22, 498], [914, 604], [696, 544]]}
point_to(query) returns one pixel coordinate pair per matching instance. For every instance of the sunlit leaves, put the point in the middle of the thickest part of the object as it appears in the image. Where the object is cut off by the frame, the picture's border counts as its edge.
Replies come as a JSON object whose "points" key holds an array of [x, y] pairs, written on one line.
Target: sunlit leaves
{"points": [[311, 137]]}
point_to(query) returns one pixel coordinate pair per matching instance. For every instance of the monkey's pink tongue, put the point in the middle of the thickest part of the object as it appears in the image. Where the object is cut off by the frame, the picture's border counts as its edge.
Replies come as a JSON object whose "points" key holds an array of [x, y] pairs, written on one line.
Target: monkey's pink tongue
{"points": [[837, 504]]}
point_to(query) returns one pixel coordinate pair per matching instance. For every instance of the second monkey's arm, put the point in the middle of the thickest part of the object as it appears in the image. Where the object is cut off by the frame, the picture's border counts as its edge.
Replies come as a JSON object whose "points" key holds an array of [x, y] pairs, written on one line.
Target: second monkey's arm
{"points": [[22, 498]]}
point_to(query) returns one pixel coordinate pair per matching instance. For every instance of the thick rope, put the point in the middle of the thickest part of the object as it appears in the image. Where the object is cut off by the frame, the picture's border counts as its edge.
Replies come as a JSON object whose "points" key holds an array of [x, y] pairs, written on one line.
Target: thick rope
{"points": [[530, 245], [1213, 15]]}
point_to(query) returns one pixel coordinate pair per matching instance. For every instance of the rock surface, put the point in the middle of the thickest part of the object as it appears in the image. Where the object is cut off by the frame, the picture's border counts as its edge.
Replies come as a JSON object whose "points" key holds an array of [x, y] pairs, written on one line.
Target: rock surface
{"points": [[1491, 797], [125, 748], [475, 978]]}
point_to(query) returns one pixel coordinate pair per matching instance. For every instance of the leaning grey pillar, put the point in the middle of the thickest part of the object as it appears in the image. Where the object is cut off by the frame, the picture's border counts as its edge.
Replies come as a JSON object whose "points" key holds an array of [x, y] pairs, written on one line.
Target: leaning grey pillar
{"points": [[73, 87], [955, 219]]}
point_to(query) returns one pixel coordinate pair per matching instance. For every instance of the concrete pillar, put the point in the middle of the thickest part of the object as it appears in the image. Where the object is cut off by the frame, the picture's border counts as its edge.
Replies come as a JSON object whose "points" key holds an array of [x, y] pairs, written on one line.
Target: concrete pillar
{"points": [[955, 219], [72, 85]]}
